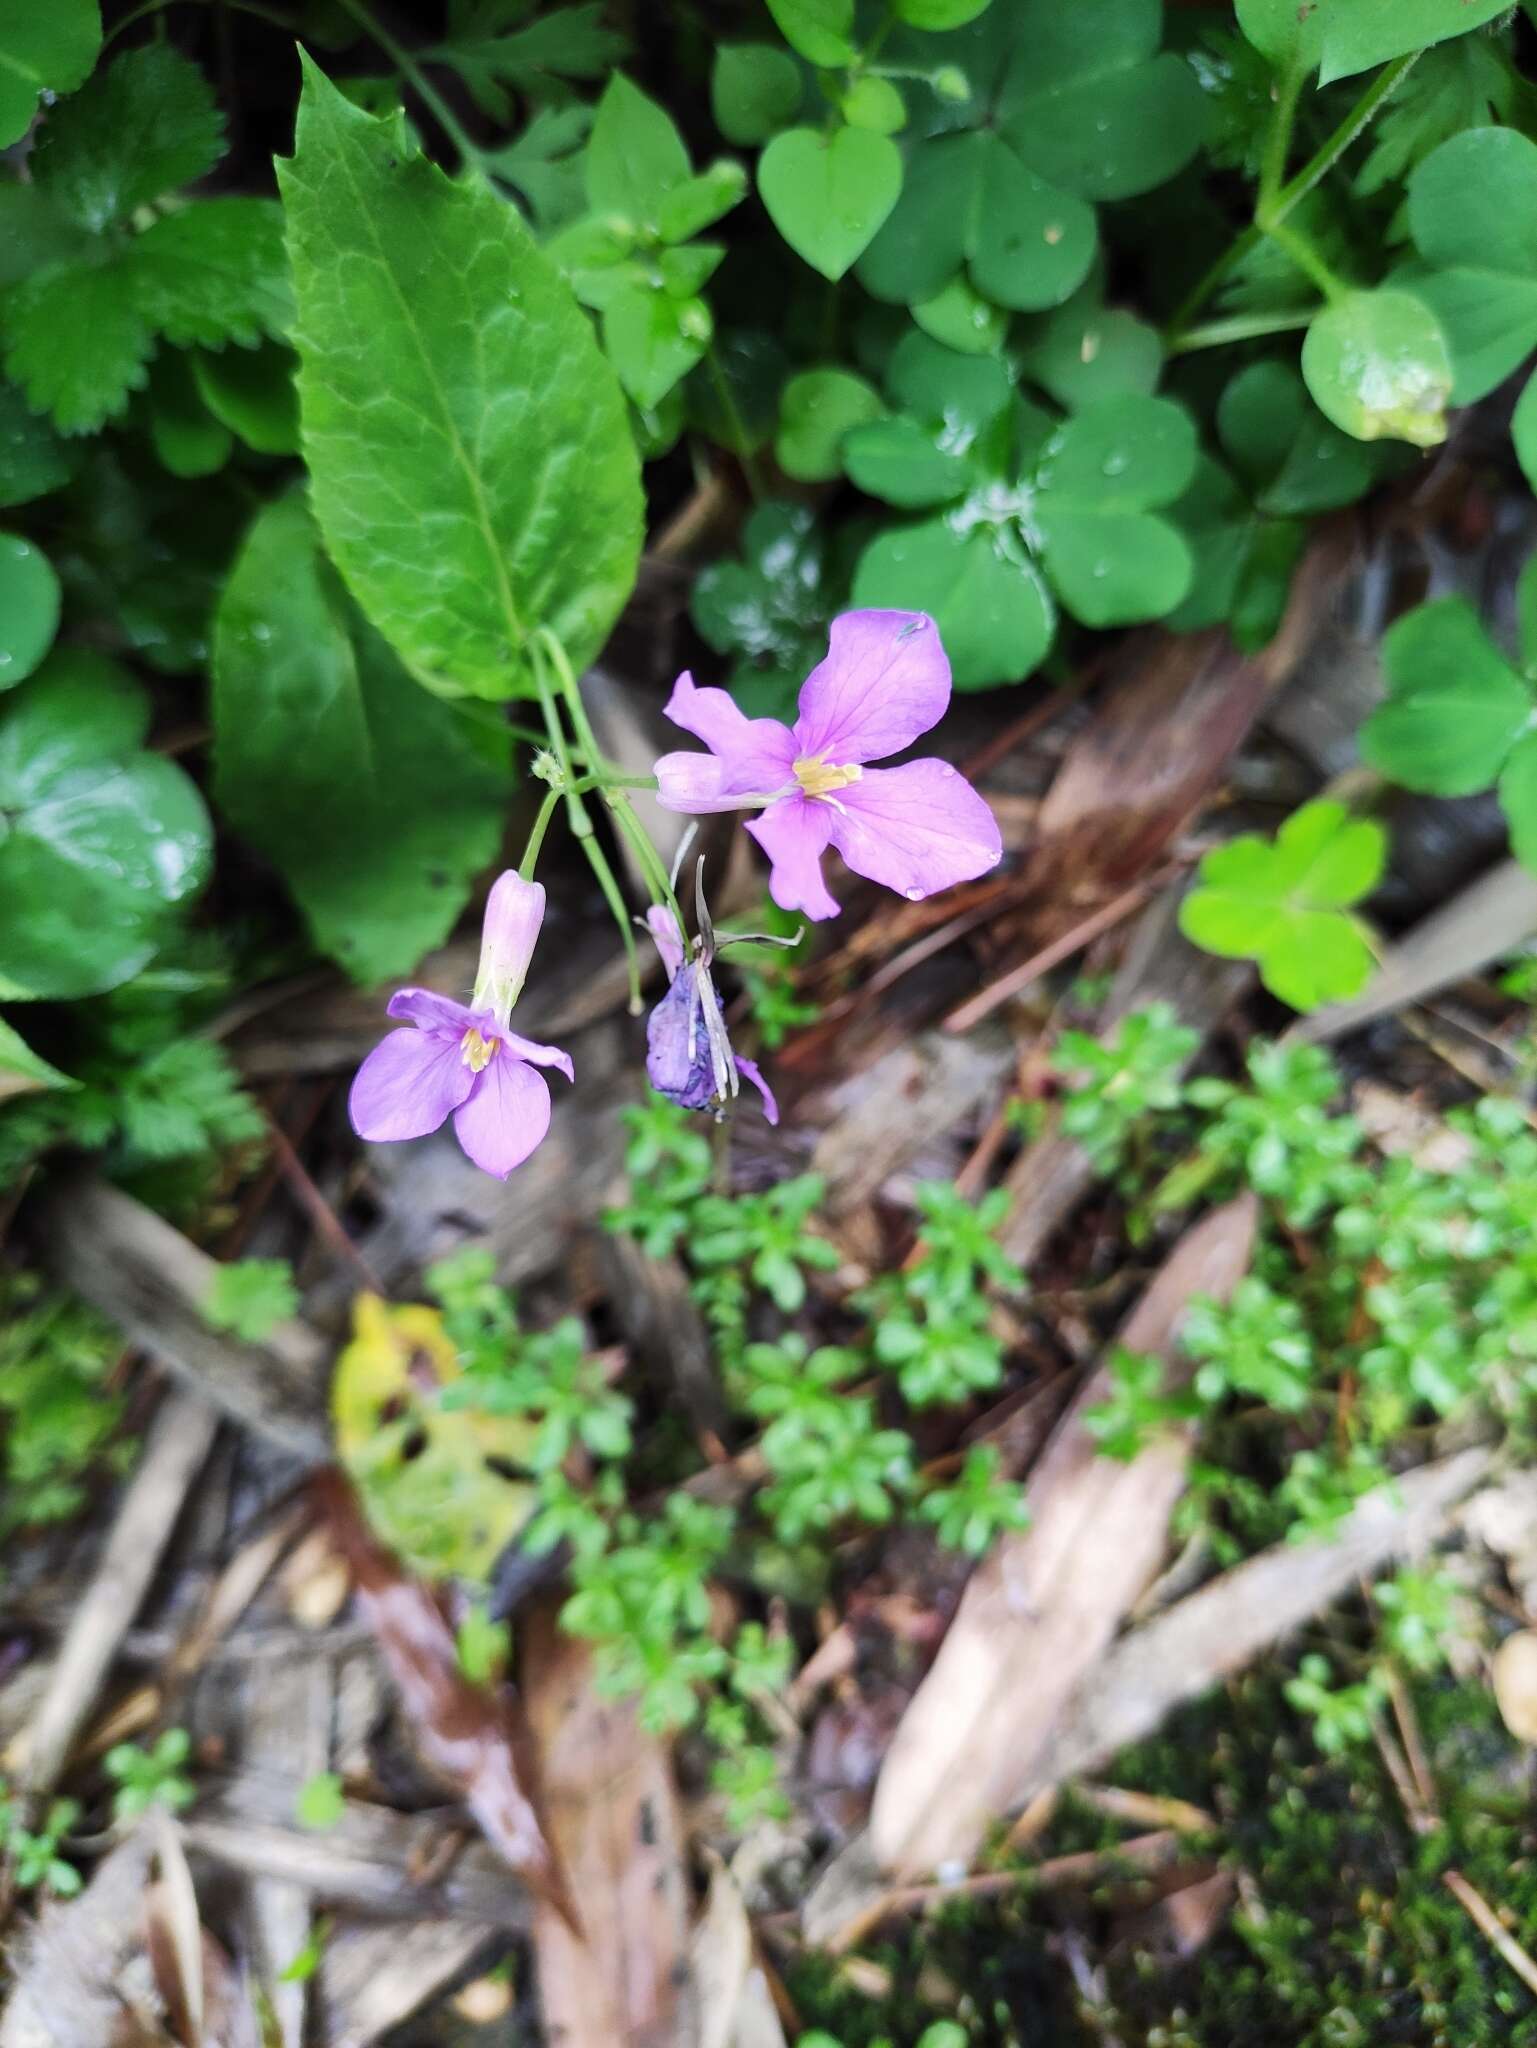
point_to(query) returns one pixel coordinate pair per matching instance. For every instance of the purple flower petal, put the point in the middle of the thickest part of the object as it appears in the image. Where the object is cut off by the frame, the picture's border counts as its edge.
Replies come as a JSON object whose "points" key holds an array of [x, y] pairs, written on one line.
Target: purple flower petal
{"points": [[916, 829], [506, 1117], [508, 935], [536, 1054], [678, 1063], [408, 1084], [756, 755], [793, 833], [432, 1012], [748, 1069], [663, 927], [885, 680], [694, 782]]}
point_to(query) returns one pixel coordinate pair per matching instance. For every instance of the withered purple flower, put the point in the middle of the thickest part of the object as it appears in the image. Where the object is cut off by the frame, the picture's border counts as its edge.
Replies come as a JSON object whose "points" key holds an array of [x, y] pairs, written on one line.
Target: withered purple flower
{"points": [[689, 1058]]}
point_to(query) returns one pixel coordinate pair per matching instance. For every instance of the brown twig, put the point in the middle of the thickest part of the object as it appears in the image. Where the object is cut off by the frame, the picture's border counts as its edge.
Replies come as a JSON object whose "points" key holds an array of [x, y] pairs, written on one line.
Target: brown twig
{"points": [[1489, 1924], [318, 1209]]}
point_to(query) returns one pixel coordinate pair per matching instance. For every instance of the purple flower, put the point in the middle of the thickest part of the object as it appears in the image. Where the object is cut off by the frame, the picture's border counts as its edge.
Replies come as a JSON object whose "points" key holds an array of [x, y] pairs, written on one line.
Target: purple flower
{"points": [[917, 829], [465, 1063], [688, 1054]]}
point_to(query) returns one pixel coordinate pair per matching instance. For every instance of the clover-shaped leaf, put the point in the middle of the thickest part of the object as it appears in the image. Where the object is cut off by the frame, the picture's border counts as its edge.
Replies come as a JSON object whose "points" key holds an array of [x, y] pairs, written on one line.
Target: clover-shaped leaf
{"points": [[1028, 511], [828, 193], [1067, 106], [816, 409], [1292, 459], [1285, 903], [1243, 559], [1473, 216], [103, 839], [1378, 365], [1458, 716]]}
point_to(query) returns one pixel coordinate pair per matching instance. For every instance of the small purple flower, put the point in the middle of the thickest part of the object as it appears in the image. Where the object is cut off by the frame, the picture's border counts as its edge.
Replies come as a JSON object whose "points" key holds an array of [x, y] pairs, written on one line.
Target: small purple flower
{"points": [[916, 829], [465, 1063], [688, 1054]]}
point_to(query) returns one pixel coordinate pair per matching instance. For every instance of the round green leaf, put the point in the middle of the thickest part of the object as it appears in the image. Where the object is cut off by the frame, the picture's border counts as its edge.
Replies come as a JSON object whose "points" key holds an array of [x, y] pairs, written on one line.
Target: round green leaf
{"points": [[45, 46], [104, 840], [252, 391], [994, 615], [960, 318], [29, 608], [1377, 365], [1113, 568], [902, 462], [874, 103], [755, 90], [1128, 452], [1474, 201], [1489, 319], [827, 195], [188, 438], [822, 31], [1084, 352], [1030, 243], [1454, 707], [961, 394], [923, 243], [938, 14], [816, 410]]}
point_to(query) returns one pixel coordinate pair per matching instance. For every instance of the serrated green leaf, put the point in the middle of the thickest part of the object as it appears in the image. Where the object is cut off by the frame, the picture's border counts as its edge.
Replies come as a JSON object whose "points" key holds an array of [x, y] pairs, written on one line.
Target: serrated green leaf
{"points": [[33, 459], [992, 609], [635, 155], [252, 391], [1473, 216], [544, 164], [79, 334], [828, 194], [1281, 903], [22, 1071], [755, 90], [105, 841], [43, 48], [377, 802], [816, 409], [144, 125], [821, 31], [449, 381], [1454, 708], [29, 608], [1377, 365], [497, 57]]}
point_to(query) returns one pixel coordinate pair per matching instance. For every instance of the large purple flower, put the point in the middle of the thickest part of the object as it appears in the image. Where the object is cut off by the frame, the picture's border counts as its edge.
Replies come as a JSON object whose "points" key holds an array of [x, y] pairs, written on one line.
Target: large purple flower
{"points": [[689, 1057], [465, 1063], [917, 829]]}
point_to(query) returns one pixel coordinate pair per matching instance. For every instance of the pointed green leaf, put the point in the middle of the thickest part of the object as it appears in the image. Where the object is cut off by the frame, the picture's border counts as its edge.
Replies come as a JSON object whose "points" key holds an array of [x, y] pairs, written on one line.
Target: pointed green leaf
{"points": [[377, 802], [635, 155], [821, 31], [654, 339], [451, 386], [1518, 800], [22, 1071], [828, 194], [959, 317]]}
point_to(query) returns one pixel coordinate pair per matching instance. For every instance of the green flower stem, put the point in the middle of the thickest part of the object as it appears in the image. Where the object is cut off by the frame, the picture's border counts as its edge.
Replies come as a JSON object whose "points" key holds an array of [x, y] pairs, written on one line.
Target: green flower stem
{"points": [[577, 814], [1242, 327], [1290, 195], [535, 841], [612, 787], [1278, 137], [159, 6], [1302, 252], [412, 73]]}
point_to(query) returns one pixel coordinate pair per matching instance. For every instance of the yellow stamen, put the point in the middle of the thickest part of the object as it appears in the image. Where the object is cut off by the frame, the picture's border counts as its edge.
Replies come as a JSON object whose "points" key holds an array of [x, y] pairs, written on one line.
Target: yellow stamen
{"points": [[477, 1052], [817, 778]]}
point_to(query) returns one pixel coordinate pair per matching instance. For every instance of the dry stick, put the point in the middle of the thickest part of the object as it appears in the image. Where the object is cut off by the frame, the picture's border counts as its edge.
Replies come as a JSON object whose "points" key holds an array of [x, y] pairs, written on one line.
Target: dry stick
{"points": [[1488, 1923], [319, 1210], [1019, 978], [179, 1440]]}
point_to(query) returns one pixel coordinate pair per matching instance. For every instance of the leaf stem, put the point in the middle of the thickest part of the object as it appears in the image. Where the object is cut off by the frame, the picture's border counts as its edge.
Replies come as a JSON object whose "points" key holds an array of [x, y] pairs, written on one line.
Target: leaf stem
{"points": [[1286, 197], [541, 825], [577, 814], [1241, 327], [1300, 249], [425, 90]]}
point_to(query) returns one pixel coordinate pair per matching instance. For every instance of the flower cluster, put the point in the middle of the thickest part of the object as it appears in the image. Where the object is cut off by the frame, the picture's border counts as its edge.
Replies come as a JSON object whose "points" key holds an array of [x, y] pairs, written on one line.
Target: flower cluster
{"points": [[916, 828]]}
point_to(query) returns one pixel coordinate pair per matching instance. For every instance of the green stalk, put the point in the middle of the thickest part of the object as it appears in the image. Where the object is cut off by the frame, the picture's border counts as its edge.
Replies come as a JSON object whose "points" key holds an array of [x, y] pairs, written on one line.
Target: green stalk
{"points": [[1241, 327], [1301, 251], [414, 76]]}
